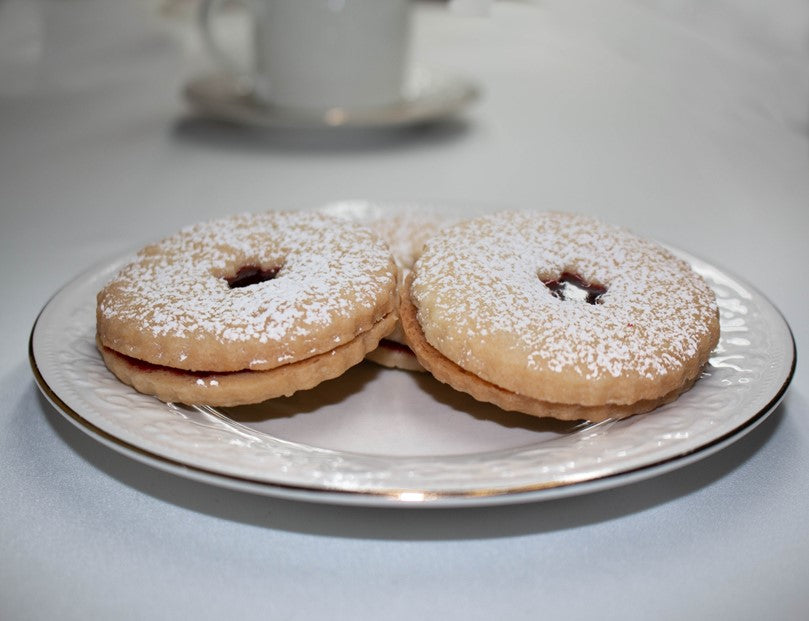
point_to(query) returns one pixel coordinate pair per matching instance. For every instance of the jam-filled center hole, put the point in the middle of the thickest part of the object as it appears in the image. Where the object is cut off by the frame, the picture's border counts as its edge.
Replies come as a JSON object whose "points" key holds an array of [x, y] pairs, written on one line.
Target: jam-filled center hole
{"points": [[251, 275], [572, 287]]}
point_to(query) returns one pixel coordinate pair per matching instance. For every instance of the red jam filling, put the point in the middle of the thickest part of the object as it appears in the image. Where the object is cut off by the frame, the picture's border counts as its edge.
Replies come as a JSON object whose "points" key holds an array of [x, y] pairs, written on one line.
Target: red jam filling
{"points": [[570, 286], [143, 366], [394, 346], [251, 275]]}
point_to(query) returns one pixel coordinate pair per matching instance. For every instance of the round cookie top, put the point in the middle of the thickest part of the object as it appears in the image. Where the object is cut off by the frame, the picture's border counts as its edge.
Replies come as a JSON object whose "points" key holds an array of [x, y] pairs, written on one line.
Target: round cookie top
{"points": [[406, 233], [564, 308], [251, 291], [404, 226]]}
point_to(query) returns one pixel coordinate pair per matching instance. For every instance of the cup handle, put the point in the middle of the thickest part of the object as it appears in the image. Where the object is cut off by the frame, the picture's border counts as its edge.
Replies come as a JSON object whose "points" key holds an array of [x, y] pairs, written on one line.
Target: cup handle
{"points": [[207, 11]]}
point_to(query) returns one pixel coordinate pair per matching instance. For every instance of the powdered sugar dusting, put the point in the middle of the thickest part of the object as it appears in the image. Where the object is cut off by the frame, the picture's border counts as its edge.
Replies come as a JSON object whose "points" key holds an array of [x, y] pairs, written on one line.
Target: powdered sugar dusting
{"points": [[404, 227], [331, 271], [407, 233], [479, 284]]}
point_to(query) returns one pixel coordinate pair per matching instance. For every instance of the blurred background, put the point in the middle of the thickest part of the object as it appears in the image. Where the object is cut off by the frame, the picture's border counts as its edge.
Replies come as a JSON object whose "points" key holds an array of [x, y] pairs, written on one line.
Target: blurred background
{"points": [[684, 120]]}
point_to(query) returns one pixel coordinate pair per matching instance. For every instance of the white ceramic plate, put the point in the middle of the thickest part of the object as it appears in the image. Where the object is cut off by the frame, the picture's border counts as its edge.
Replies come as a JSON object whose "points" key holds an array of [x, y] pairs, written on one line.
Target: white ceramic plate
{"points": [[384, 437], [428, 96]]}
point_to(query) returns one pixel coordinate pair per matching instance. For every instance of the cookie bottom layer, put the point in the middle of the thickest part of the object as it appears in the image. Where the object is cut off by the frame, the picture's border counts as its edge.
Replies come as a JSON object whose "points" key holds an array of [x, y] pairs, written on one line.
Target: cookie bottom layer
{"points": [[447, 372], [395, 356], [244, 387]]}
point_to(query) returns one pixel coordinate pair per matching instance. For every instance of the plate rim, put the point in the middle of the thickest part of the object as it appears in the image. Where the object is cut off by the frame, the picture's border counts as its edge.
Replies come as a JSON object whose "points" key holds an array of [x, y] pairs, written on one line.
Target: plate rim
{"points": [[392, 497]]}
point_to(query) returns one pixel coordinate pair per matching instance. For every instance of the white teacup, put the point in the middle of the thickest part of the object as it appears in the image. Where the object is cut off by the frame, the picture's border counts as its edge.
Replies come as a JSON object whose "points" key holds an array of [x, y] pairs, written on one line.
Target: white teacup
{"points": [[323, 54]]}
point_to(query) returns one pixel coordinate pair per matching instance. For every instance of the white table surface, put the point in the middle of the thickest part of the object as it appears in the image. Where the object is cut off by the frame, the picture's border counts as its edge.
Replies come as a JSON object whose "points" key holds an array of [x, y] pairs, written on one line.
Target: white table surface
{"points": [[685, 121]]}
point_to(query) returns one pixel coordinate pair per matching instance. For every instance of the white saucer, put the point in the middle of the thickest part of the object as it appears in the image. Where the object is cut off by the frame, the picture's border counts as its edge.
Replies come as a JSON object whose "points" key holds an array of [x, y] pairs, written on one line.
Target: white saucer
{"points": [[428, 96]]}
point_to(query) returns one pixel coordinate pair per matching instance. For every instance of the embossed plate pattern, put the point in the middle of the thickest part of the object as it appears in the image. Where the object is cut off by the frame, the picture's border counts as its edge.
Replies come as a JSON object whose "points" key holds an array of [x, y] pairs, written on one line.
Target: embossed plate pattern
{"points": [[386, 437]]}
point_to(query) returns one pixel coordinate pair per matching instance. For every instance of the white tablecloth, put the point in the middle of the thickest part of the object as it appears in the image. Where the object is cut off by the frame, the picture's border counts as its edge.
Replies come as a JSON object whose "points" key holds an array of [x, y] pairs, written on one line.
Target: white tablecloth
{"points": [[685, 121]]}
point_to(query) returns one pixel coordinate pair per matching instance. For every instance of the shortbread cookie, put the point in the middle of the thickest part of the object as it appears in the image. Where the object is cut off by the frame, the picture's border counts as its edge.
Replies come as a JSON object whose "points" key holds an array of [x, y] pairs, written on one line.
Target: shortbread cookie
{"points": [[405, 231], [247, 308], [406, 235], [558, 315]]}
